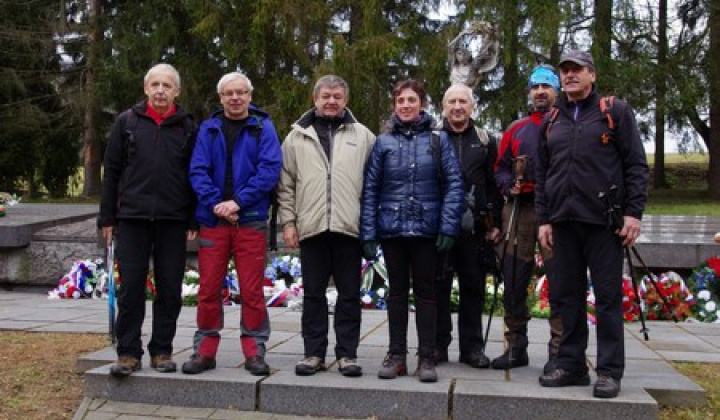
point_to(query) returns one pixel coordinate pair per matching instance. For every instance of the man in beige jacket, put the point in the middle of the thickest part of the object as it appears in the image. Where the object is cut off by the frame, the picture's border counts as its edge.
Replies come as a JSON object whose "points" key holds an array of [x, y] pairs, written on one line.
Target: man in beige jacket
{"points": [[319, 209]]}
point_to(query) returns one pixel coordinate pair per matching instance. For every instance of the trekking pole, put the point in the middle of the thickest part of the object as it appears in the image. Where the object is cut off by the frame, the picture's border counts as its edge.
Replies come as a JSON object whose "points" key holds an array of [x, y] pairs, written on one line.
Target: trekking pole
{"points": [[653, 281], [111, 290], [497, 279], [644, 330]]}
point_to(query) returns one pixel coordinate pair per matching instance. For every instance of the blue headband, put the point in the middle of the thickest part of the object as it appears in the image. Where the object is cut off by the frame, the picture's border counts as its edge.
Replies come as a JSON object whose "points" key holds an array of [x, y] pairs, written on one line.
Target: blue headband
{"points": [[545, 76]]}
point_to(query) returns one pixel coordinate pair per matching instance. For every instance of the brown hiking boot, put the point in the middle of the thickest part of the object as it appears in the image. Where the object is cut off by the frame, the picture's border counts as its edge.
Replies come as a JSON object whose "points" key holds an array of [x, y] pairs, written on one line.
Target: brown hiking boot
{"points": [[198, 364], [426, 369], [124, 366], [163, 363], [393, 366]]}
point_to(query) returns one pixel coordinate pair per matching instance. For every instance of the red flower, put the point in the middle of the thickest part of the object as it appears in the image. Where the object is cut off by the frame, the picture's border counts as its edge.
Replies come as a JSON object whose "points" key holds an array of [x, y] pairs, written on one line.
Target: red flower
{"points": [[714, 263]]}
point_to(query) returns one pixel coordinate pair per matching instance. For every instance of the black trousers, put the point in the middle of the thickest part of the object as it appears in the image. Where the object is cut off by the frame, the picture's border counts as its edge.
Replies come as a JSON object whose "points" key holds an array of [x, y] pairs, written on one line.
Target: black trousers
{"points": [[136, 242], [411, 260], [467, 258], [324, 256], [578, 247]]}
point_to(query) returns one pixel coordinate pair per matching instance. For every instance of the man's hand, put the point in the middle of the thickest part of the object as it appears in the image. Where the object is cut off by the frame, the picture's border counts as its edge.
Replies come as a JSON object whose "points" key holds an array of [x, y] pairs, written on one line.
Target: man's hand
{"points": [[493, 236], [107, 233], [290, 236], [226, 208], [545, 236], [630, 230], [516, 189]]}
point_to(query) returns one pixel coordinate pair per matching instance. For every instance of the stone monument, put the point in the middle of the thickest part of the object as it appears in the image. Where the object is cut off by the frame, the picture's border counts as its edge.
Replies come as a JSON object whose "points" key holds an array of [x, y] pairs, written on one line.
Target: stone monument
{"points": [[467, 66]]}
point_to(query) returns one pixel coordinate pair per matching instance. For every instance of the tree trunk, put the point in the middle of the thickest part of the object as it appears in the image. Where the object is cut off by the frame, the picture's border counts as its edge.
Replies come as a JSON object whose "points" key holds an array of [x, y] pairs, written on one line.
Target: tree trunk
{"points": [[509, 57], [602, 45], [91, 144], [659, 179], [714, 80]]}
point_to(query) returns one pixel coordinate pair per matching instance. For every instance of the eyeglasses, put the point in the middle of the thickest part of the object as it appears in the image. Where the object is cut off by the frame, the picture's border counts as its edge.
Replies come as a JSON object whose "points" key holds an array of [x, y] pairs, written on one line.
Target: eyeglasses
{"points": [[236, 92]]}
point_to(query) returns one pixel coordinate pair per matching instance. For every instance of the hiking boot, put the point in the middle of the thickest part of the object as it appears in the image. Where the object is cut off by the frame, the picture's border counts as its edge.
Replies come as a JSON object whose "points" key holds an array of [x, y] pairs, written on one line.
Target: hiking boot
{"points": [[309, 366], [393, 366], [124, 366], [256, 366], [476, 359], [349, 366], [561, 377], [163, 363], [198, 364], [550, 365], [441, 356], [426, 369], [606, 387], [504, 361]]}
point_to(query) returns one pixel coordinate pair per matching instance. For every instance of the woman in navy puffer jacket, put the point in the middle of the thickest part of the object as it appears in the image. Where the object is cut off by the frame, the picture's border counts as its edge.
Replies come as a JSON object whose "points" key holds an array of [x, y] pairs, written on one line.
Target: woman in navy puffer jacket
{"points": [[412, 202]]}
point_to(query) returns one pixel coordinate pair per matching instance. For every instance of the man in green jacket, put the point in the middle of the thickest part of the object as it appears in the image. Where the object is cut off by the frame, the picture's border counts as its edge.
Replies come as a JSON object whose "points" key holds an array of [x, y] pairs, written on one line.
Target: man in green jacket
{"points": [[319, 209]]}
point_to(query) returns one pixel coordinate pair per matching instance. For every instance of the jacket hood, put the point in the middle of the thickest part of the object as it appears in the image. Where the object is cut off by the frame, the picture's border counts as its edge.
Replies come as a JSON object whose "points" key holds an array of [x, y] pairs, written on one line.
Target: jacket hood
{"points": [[255, 115], [309, 116], [425, 123], [447, 127]]}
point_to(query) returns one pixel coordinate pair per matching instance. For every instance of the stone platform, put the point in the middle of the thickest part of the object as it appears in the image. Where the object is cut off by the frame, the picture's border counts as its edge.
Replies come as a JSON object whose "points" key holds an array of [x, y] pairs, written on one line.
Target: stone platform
{"points": [[460, 393], [678, 241]]}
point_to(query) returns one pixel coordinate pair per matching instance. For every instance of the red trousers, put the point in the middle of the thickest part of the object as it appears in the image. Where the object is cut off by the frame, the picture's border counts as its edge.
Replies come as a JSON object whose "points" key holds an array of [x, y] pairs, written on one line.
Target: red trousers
{"points": [[216, 246]]}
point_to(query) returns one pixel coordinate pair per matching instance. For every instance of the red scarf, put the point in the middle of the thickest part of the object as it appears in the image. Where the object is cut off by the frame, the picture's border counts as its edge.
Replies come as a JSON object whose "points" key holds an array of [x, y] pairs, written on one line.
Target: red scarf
{"points": [[156, 116]]}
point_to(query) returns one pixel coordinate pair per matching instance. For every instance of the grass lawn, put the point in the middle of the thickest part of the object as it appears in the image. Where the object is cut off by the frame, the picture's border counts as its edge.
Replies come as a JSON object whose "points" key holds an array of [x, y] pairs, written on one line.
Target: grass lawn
{"points": [[707, 375]]}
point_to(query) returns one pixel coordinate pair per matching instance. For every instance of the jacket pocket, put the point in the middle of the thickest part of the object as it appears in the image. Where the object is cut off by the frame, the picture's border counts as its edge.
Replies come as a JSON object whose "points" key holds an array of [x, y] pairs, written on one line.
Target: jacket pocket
{"points": [[388, 219], [430, 219]]}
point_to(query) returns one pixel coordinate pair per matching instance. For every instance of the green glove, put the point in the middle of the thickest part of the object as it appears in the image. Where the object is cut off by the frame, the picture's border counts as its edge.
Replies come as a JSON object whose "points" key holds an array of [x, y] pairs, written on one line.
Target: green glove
{"points": [[369, 250], [444, 243]]}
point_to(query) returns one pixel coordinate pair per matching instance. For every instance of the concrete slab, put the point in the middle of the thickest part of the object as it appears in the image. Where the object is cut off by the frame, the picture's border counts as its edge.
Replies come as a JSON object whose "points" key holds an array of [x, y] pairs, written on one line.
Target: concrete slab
{"points": [[220, 387], [22, 220], [512, 401], [337, 396]]}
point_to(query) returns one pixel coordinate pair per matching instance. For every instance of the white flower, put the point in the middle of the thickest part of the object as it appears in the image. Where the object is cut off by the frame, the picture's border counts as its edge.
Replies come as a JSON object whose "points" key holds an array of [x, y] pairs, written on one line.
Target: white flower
{"points": [[381, 292], [710, 306], [192, 274], [366, 299], [704, 295], [190, 290]]}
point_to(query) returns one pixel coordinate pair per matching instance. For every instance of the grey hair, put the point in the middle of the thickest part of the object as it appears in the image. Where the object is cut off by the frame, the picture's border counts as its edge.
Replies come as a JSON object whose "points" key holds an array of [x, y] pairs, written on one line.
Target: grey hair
{"points": [[230, 77], [163, 67], [461, 87], [331, 81]]}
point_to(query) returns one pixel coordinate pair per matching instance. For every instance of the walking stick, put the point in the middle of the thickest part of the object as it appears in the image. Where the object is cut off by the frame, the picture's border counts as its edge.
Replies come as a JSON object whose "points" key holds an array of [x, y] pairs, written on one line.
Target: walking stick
{"points": [[653, 281], [497, 279], [111, 290], [644, 330]]}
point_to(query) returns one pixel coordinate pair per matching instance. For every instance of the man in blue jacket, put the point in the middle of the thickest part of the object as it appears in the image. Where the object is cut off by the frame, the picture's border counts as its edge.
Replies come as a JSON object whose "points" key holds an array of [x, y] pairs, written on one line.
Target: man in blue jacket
{"points": [[235, 165]]}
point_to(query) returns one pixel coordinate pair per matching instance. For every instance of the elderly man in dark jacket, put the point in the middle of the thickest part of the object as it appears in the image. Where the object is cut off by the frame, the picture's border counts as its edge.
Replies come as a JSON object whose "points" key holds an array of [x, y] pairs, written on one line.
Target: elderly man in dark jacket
{"points": [[591, 165], [147, 205]]}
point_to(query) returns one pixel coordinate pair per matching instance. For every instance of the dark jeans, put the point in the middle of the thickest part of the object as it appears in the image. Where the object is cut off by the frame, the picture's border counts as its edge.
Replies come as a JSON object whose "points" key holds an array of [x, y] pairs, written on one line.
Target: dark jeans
{"points": [[577, 247], [417, 257], [324, 256], [136, 242], [467, 260]]}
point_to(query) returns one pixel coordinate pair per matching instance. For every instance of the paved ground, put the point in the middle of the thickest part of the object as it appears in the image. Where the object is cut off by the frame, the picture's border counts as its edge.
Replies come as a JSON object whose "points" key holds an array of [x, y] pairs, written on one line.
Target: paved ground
{"points": [[647, 366]]}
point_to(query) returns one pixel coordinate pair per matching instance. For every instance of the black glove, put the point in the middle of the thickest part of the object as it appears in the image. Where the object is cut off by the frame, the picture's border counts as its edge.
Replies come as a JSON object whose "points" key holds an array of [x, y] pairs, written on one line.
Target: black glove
{"points": [[369, 250], [444, 243]]}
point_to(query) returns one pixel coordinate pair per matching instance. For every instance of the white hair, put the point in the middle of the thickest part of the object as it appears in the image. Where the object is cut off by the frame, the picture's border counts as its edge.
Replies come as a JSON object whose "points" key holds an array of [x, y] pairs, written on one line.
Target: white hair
{"points": [[163, 67], [236, 75], [463, 88]]}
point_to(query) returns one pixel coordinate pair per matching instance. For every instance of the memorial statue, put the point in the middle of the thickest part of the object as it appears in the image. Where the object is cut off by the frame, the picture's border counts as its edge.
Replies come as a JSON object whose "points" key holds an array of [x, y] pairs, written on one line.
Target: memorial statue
{"points": [[468, 68]]}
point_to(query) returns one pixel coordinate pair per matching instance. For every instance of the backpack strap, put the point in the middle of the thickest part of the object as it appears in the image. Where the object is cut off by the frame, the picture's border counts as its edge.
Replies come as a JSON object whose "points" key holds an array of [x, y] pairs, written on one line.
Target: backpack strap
{"points": [[128, 136], [436, 152], [482, 136], [552, 116], [606, 107]]}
